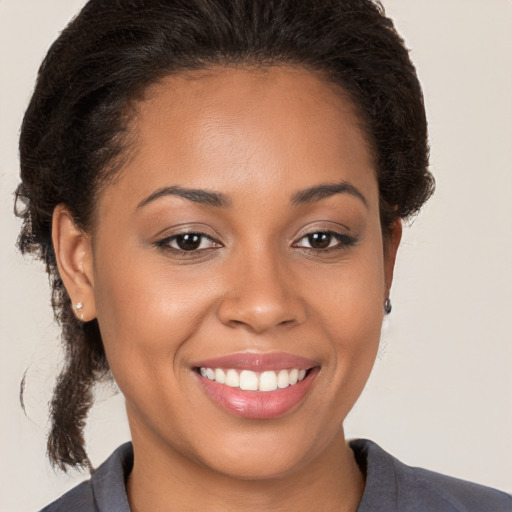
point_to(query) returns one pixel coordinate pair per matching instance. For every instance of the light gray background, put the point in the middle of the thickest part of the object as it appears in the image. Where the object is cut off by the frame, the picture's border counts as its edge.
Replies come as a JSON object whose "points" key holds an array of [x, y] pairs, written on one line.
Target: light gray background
{"points": [[441, 393]]}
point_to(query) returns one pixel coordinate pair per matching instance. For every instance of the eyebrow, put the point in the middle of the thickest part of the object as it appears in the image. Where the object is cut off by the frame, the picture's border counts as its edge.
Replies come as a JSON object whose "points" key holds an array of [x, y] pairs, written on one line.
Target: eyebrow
{"points": [[192, 194], [219, 200], [324, 191]]}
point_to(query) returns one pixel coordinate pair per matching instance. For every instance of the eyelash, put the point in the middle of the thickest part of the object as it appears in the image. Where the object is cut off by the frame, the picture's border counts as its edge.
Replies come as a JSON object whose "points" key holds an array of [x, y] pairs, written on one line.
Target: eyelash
{"points": [[167, 241], [344, 241]]}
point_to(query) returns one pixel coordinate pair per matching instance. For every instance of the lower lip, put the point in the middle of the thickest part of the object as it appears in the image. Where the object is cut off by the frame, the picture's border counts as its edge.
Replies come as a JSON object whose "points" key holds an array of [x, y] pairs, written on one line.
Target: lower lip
{"points": [[258, 404]]}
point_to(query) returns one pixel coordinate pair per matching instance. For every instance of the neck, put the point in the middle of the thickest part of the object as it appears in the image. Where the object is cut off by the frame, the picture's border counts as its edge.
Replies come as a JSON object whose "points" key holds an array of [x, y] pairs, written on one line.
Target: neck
{"points": [[163, 480]]}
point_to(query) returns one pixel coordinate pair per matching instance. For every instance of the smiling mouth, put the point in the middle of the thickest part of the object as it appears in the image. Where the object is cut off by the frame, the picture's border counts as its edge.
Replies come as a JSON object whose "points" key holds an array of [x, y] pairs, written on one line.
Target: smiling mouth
{"points": [[248, 380], [257, 386]]}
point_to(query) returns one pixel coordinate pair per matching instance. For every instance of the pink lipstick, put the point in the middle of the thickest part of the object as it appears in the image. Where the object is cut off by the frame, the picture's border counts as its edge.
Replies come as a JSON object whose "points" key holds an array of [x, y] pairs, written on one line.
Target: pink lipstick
{"points": [[257, 386]]}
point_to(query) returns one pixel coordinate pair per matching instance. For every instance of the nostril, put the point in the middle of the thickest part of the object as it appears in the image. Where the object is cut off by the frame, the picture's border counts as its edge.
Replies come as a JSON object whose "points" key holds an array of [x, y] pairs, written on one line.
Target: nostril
{"points": [[260, 315]]}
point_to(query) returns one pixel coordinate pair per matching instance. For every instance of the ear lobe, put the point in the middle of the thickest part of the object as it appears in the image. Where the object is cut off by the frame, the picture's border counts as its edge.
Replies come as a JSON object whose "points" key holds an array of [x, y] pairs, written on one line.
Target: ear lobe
{"points": [[391, 245], [73, 253]]}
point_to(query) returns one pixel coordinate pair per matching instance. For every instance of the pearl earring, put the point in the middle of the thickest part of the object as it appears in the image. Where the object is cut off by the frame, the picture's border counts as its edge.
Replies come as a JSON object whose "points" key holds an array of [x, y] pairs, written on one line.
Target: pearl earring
{"points": [[387, 306], [79, 306]]}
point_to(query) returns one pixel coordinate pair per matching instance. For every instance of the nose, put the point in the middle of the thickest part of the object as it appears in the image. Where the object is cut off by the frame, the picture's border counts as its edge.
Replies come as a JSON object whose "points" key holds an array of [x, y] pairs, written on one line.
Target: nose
{"points": [[261, 295]]}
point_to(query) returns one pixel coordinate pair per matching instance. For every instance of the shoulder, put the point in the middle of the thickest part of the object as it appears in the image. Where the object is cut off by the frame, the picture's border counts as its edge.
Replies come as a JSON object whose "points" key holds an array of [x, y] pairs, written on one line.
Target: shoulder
{"points": [[78, 499], [105, 491], [459, 494], [394, 486]]}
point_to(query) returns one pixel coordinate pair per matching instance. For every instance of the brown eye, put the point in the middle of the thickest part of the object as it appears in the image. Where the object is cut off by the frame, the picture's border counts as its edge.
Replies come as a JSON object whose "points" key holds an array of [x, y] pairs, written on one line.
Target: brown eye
{"points": [[325, 241], [189, 241], [320, 240]]}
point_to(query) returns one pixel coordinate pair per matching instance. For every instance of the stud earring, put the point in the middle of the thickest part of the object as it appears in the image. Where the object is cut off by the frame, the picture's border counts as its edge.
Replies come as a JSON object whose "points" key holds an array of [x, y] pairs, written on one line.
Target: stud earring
{"points": [[79, 306], [387, 306]]}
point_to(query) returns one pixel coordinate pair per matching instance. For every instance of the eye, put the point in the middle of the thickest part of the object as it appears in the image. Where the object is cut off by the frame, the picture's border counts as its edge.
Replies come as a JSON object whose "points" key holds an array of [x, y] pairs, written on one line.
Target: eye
{"points": [[325, 240], [188, 242]]}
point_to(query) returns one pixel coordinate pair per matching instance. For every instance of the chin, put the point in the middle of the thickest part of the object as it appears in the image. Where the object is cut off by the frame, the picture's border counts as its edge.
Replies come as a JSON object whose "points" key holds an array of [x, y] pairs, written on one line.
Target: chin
{"points": [[263, 466], [268, 452]]}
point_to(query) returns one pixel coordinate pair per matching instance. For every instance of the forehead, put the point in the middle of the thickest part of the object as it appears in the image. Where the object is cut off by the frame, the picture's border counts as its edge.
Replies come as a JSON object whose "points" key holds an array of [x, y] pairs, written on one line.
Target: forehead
{"points": [[245, 97], [238, 128]]}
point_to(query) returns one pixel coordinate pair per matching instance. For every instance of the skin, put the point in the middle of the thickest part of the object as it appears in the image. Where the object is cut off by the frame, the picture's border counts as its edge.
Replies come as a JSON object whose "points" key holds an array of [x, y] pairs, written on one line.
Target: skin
{"points": [[258, 137]]}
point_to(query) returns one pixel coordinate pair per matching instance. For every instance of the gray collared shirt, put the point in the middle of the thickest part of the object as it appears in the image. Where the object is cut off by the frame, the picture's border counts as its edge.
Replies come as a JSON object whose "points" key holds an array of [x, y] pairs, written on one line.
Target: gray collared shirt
{"points": [[390, 487]]}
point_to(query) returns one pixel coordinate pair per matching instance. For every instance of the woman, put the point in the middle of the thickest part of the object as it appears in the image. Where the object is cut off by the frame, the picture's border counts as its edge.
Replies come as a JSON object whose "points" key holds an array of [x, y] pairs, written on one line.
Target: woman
{"points": [[217, 191]]}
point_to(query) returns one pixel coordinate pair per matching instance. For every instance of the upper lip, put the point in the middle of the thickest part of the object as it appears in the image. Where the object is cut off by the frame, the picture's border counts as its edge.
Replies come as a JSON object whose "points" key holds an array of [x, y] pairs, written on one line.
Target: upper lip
{"points": [[258, 362]]}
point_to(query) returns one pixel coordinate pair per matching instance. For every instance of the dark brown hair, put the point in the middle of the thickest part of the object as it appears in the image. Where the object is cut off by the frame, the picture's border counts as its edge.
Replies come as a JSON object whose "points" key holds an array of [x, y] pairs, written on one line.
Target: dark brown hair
{"points": [[73, 133]]}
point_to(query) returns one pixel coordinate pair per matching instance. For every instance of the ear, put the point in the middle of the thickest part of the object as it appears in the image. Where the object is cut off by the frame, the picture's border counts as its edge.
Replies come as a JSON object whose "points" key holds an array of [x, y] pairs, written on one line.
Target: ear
{"points": [[73, 253], [391, 243]]}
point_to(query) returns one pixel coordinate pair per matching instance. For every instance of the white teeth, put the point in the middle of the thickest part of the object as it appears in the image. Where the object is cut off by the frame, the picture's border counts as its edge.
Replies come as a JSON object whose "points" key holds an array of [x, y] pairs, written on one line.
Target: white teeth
{"points": [[252, 381], [268, 381], [220, 376], [248, 381], [283, 379], [232, 379]]}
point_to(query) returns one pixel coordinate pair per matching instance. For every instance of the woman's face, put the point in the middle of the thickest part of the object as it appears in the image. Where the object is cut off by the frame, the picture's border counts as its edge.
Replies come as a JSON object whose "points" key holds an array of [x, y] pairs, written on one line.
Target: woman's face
{"points": [[241, 242]]}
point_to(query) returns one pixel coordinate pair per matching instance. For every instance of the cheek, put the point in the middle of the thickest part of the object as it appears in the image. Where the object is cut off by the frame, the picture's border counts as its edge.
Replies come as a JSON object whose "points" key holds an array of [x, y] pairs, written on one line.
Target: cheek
{"points": [[349, 311], [349, 296], [146, 313]]}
